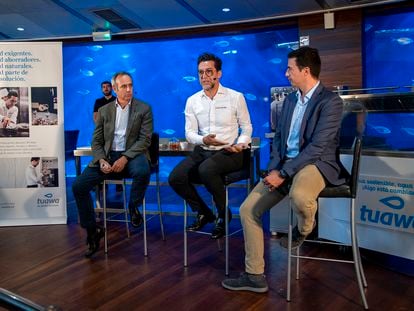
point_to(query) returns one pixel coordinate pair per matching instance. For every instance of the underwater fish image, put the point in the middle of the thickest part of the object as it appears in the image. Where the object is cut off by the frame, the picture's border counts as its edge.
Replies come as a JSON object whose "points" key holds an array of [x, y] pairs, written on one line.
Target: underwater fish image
{"points": [[250, 96], [88, 59], [87, 73], [222, 43], [230, 52], [403, 40], [275, 60], [382, 129], [83, 92], [189, 78], [168, 131], [237, 38], [368, 27], [95, 48], [408, 130]]}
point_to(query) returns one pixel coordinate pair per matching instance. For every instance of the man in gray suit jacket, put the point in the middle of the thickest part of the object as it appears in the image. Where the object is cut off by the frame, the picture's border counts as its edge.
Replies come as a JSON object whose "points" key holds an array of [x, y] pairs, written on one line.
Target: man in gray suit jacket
{"points": [[120, 144], [304, 157]]}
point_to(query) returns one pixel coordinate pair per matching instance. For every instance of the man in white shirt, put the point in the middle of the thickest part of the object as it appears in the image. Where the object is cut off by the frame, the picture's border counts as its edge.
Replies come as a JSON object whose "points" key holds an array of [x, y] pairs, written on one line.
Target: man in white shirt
{"points": [[9, 119], [33, 178], [218, 123]]}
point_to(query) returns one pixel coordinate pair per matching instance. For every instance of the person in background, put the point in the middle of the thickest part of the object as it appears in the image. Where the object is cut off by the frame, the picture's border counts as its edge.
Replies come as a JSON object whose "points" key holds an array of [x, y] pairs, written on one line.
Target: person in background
{"points": [[218, 123], [106, 88], [3, 96], [303, 161], [9, 120], [120, 143], [33, 178]]}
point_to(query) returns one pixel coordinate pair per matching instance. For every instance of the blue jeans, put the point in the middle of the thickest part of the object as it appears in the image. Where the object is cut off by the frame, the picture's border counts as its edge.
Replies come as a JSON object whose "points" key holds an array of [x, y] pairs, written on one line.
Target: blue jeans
{"points": [[138, 169]]}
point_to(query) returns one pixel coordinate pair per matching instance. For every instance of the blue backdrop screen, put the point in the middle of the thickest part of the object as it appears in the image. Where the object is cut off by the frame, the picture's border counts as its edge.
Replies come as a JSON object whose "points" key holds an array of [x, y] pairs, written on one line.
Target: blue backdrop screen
{"points": [[389, 61], [389, 50], [165, 74]]}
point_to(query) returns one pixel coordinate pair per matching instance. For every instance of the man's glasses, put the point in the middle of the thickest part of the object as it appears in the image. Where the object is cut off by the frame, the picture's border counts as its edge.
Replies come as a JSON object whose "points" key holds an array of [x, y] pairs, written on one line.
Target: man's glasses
{"points": [[207, 72]]}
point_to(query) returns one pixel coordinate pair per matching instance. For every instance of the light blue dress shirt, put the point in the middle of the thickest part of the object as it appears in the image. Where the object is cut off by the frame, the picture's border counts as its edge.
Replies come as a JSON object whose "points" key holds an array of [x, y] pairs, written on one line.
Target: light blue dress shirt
{"points": [[297, 118]]}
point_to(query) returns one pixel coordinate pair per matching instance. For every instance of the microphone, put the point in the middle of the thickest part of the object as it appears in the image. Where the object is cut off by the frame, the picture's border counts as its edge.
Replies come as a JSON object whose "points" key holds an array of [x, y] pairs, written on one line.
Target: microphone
{"points": [[214, 79]]}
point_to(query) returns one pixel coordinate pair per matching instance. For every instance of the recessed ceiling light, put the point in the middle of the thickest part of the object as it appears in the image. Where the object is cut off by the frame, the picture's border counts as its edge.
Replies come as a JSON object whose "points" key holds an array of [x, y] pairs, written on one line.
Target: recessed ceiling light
{"points": [[20, 28], [226, 10]]}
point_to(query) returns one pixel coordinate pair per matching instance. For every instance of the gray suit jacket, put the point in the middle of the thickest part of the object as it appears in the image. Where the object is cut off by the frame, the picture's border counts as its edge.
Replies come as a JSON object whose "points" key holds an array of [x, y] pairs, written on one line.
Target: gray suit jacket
{"points": [[138, 132], [319, 136]]}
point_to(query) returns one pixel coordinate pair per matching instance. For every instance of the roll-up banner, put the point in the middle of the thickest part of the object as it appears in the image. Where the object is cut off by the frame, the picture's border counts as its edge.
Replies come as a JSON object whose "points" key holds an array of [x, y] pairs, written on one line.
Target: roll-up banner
{"points": [[32, 157]]}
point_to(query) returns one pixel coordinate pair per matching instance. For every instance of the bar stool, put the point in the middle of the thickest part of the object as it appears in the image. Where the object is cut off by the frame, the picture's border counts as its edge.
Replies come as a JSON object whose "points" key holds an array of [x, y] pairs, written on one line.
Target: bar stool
{"points": [[347, 190], [154, 167], [229, 180]]}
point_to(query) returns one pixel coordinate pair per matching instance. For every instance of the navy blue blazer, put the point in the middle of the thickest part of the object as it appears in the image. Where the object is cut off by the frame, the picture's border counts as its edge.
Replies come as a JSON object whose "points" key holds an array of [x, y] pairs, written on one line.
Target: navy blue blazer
{"points": [[318, 139]]}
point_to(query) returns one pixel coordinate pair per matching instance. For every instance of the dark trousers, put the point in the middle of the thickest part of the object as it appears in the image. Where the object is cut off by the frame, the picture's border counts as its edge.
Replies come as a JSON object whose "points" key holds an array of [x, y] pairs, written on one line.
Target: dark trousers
{"points": [[208, 168], [138, 169]]}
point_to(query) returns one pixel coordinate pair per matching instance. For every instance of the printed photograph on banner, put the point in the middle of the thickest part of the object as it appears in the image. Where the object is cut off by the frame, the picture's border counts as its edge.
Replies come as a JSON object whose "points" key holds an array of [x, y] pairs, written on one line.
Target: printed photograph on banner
{"points": [[44, 106], [14, 112], [29, 172], [278, 95]]}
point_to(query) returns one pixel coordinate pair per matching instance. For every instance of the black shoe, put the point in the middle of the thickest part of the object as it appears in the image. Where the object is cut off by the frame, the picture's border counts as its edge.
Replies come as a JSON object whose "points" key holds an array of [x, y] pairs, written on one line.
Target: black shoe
{"points": [[200, 222], [136, 218], [220, 228], [93, 241]]}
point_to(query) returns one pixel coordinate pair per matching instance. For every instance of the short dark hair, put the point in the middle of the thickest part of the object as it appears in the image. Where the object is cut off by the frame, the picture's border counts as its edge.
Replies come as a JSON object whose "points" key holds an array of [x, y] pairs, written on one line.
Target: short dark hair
{"points": [[120, 73], [12, 93], [307, 57], [205, 57], [105, 82], [35, 159]]}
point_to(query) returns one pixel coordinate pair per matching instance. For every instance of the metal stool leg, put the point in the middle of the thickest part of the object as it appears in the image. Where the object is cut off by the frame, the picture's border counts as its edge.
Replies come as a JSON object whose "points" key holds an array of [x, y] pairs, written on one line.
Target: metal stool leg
{"points": [[125, 207], [185, 234], [157, 176], [289, 269], [144, 216], [355, 253], [226, 223], [104, 214]]}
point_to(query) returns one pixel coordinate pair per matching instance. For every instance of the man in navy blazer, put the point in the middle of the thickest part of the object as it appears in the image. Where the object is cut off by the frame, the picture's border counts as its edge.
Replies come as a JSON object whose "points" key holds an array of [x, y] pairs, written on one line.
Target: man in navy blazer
{"points": [[120, 143], [303, 161]]}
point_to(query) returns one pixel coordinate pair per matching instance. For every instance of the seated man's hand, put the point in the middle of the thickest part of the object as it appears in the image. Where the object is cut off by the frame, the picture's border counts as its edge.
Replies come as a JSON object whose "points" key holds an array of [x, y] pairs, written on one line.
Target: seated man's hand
{"points": [[273, 180], [237, 147], [105, 167], [210, 140], [119, 164]]}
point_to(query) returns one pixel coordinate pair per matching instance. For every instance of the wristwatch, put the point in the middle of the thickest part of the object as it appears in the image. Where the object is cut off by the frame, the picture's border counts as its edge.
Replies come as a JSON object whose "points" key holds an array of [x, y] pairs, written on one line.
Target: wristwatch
{"points": [[283, 174]]}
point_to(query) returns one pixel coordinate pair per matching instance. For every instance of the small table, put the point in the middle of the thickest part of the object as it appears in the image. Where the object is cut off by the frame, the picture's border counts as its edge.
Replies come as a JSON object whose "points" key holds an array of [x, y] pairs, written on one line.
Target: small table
{"points": [[183, 151], [165, 151]]}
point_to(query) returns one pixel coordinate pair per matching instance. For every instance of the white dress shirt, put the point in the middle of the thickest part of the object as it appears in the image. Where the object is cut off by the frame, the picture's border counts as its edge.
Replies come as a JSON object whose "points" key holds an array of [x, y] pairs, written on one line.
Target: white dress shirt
{"points": [[121, 123], [32, 176], [11, 113], [225, 115]]}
